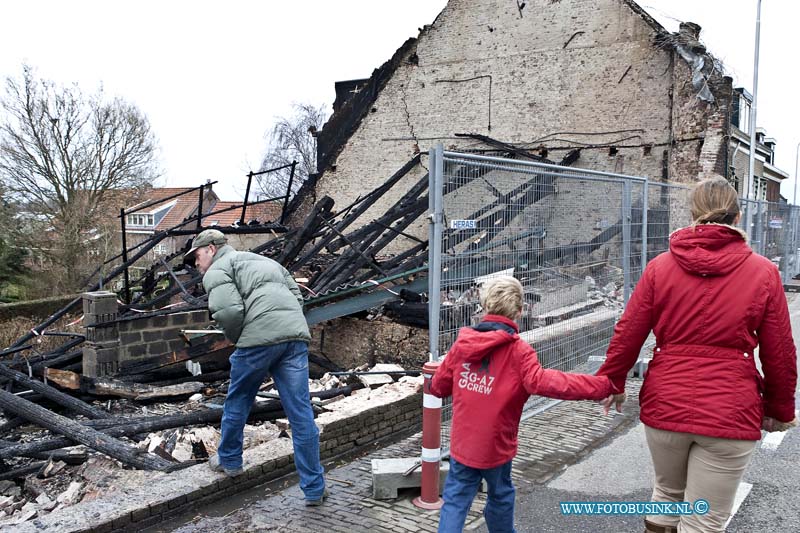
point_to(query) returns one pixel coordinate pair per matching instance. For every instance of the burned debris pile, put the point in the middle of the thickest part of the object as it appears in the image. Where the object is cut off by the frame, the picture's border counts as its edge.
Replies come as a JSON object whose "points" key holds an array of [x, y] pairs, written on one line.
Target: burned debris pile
{"points": [[79, 413]]}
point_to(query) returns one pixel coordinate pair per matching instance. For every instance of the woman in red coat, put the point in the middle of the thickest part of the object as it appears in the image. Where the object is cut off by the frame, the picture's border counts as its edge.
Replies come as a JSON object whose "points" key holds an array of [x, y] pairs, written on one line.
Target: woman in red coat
{"points": [[710, 301]]}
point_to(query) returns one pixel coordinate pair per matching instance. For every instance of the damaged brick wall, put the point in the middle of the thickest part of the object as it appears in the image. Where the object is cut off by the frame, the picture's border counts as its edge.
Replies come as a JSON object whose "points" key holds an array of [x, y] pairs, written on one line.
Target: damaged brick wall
{"points": [[554, 77], [157, 335], [350, 342]]}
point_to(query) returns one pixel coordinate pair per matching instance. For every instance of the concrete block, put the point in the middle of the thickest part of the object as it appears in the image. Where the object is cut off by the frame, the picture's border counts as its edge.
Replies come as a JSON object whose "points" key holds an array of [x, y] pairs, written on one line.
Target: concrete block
{"points": [[136, 351], [157, 348], [100, 303], [179, 319], [152, 335], [127, 338], [387, 476], [158, 321], [100, 359], [102, 335]]}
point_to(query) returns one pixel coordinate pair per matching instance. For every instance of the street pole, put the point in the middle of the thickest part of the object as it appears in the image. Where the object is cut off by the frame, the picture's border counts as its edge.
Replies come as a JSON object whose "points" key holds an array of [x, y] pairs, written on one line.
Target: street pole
{"points": [[752, 227], [750, 186], [796, 154]]}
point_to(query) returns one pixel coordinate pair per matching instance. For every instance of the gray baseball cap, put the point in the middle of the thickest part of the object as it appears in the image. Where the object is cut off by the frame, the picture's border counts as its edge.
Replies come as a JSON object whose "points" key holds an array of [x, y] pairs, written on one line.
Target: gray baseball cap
{"points": [[204, 238]]}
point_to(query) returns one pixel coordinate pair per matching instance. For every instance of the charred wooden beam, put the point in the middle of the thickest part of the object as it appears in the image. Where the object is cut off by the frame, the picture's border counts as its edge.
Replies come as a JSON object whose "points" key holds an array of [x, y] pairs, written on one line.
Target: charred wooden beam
{"points": [[393, 213], [12, 424], [350, 261], [357, 210], [153, 378], [294, 246], [138, 391], [69, 457], [383, 239], [121, 389], [270, 409], [81, 434], [22, 471], [38, 363], [64, 400]]}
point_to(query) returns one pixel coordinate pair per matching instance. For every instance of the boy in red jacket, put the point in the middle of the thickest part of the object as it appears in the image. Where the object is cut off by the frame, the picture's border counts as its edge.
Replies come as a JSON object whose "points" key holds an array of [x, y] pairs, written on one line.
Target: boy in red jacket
{"points": [[490, 372]]}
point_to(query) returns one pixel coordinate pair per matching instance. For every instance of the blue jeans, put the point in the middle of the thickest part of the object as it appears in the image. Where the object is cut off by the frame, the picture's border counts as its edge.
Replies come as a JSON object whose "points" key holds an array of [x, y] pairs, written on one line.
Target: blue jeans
{"points": [[460, 489], [288, 364]]}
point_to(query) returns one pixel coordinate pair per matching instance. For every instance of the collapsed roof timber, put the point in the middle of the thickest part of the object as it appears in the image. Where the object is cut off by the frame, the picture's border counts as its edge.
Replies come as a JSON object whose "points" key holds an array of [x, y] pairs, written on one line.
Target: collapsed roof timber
{"points": [[346, 274]]}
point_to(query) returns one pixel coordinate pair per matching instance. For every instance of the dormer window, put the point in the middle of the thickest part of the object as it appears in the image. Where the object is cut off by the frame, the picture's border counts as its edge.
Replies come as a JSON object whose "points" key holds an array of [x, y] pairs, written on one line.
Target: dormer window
{"points": [[141, 220]]}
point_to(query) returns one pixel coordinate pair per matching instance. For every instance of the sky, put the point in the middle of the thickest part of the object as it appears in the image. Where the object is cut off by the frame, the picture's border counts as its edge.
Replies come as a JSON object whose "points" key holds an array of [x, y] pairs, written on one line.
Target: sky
{"points": [[213, 76]]}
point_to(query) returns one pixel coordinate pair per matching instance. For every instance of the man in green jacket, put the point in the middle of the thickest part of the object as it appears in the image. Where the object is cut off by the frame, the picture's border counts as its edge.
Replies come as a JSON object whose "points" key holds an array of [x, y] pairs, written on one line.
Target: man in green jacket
{"points": [[258, 305]]}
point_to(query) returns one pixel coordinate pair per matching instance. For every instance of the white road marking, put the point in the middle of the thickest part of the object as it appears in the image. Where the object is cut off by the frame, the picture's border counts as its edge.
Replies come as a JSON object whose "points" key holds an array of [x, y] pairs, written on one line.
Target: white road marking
{"points": [[772, 440], [741, 493]]}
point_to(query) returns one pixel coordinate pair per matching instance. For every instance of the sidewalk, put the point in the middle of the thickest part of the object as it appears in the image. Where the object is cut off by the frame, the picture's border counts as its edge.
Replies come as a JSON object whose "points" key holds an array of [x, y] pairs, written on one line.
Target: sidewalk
{"points": [[548, 443]]}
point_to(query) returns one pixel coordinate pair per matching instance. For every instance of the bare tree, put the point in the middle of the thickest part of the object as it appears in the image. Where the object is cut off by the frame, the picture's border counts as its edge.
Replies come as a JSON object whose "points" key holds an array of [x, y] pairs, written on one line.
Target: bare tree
{"points": [[62, 155], [292, 139]]}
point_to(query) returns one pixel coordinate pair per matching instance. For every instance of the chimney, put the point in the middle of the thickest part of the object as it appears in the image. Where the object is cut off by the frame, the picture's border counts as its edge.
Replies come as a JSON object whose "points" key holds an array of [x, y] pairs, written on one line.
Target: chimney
{"points": [[689, 29]]}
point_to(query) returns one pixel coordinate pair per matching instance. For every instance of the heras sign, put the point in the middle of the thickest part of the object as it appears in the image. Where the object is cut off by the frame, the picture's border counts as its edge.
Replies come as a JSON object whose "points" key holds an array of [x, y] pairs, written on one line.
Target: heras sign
{"points": [[463, 224]]}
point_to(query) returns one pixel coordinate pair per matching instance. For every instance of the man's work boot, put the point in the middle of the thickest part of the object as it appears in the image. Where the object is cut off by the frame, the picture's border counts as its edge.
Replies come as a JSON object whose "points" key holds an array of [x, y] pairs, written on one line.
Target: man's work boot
{"points": [[213, 464]]}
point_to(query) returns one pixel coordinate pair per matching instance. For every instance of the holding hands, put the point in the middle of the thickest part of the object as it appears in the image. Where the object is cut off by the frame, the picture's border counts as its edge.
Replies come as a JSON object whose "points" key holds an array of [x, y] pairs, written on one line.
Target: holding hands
{"points": [[617, 399], [769, 424]]}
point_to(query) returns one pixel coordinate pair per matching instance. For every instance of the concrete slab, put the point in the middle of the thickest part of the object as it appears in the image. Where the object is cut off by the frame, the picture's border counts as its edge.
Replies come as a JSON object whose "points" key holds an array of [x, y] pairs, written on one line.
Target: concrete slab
{"points": [[376, 380], [388, 475]]}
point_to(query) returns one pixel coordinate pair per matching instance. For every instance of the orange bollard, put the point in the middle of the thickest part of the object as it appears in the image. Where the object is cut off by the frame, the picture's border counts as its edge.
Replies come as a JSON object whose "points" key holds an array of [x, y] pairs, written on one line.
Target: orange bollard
{"points": [[431, 443]]}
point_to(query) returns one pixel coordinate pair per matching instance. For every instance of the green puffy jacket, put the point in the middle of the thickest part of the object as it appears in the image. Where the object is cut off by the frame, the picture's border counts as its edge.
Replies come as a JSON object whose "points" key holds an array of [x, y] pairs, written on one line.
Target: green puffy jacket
{"points": [[254, 299]]}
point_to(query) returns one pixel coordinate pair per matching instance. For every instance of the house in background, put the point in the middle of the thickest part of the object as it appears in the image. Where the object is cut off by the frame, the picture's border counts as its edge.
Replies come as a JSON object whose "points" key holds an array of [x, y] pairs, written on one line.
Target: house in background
{"points": [[768, 178], [143, 224], [227, 213], [181, 204]]}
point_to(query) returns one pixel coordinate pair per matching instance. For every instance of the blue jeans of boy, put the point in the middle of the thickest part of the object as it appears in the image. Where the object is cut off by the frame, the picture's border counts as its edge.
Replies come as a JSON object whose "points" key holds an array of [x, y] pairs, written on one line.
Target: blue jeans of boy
{"points": [[288, 364], [460, 489]]}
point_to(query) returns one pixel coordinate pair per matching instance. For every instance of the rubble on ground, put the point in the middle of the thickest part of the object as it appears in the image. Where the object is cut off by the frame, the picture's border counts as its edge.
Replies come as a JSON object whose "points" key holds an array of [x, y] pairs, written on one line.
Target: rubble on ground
{"points": [[57, 484]]}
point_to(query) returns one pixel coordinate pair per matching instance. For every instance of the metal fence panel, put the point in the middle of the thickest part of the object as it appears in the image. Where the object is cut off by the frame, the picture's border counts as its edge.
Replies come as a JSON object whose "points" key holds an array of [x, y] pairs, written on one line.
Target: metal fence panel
{"points": [[772, 228], [572, 237], [577, 240]]}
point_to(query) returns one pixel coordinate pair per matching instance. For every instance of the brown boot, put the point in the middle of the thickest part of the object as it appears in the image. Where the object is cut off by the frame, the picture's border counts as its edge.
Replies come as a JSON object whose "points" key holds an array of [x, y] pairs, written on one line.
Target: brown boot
{"points": [[650, 527]]}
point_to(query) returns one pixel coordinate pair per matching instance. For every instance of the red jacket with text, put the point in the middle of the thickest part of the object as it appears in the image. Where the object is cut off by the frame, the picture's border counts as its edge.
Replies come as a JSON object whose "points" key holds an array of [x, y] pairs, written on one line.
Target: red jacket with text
{"points": [[709, 300], [490, 372]]}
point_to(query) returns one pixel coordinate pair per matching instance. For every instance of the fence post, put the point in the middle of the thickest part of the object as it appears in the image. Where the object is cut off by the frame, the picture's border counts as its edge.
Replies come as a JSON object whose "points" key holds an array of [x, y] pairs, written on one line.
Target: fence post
{"points": [[786, 232], [645, 208], [796, 242], [435, 205], [126, 276], [746, 220], [626, 239], [431, 442], [759, 230]]}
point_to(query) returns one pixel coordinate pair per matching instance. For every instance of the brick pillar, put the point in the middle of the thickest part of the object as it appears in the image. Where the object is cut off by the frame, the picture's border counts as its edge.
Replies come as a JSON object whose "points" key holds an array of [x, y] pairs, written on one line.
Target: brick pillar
{"points": [[101, 349]]}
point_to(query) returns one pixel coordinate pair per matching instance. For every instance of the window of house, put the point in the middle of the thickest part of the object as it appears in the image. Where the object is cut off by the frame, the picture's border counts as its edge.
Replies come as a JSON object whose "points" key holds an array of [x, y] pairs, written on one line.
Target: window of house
{"points": [[740, 117], [141, 220], [160, 249], [760, 188]]}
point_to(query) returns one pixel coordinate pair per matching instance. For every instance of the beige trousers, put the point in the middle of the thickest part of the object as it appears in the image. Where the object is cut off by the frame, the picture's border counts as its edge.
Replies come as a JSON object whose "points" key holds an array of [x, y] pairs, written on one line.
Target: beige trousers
{"points": [[689, 467]]}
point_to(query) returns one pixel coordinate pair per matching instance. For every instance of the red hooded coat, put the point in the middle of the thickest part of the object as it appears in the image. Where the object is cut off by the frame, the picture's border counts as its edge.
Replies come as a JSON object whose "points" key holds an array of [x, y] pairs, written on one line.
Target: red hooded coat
{"points": [[490, 372], [709, 300]]}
